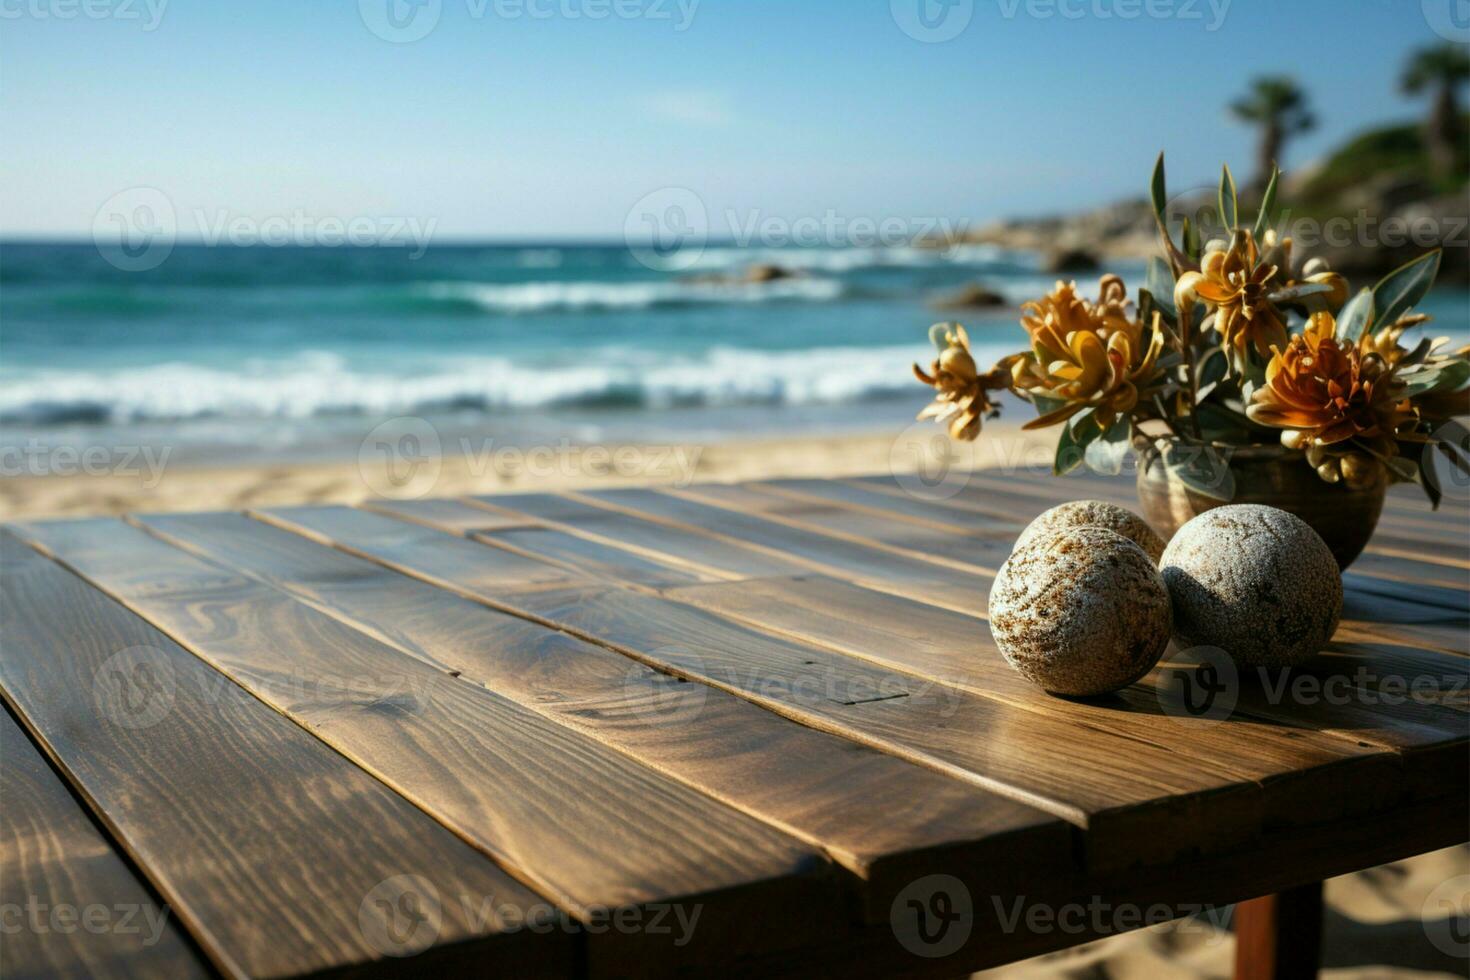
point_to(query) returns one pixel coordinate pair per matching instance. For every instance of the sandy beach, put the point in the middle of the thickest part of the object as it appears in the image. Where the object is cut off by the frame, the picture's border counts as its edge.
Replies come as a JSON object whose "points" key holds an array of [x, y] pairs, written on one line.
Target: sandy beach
{"points": [[1375, 925]]}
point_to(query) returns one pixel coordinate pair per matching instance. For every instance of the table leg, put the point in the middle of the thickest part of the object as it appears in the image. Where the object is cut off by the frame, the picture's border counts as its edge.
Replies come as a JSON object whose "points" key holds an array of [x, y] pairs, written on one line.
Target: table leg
{"points": [[1279, 937]]}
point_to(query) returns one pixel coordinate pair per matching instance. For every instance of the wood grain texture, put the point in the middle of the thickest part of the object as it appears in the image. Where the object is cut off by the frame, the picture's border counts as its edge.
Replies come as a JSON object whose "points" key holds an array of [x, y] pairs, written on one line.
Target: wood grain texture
{"points": [[1112, 784], [969, 551], [1371, 598], [701, 554], [73, 908], [222, 802], [816, 786], [497, 774], [865, 564]]}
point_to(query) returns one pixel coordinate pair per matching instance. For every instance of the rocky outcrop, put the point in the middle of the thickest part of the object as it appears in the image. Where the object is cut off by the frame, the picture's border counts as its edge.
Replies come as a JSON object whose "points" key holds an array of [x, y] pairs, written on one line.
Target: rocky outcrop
{"points": [[971, 297]]}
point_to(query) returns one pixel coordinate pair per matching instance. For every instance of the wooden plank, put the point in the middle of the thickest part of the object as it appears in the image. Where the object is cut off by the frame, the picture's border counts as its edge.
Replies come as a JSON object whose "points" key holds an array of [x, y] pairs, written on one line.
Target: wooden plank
{"points": [[1290, 737], [73, 907], [700, 554], [445, 513], [590, 558], [634, 839], [926, 640], [979, 553], [912, 509], [1117, 787], [1369, 597], [222, 802], [816, 786], [878, 569]]}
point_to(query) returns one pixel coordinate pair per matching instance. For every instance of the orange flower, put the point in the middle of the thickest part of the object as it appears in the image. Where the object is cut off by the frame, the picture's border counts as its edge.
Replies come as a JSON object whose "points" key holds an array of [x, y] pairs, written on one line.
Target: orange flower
{"points": [[1085, 354], [1233, 284], [1324, 393], [962, 393]]}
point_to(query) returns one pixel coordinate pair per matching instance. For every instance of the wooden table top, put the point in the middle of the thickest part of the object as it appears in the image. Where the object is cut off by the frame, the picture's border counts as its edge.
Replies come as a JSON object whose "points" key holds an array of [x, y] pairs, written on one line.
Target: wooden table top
{"points": [[728, 727]]}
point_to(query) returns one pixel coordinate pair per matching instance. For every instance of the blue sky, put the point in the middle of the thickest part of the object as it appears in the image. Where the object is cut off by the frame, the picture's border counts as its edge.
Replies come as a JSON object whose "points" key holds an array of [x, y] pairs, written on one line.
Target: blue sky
{"points": [[503, 123]]}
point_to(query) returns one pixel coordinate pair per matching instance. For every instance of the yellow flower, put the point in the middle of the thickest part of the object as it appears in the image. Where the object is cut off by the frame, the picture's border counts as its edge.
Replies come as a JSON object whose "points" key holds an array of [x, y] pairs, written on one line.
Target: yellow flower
{"points": [[1233, 284], [1323, 393], [1086, 354], [962, 393]]}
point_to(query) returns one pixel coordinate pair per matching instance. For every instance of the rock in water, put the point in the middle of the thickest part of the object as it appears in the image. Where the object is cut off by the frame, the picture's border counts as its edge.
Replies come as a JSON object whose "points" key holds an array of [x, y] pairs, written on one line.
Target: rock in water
{"points": [[1094, 513], [1254, 581], [971, 297], [1070, 260], [1080, 612]]}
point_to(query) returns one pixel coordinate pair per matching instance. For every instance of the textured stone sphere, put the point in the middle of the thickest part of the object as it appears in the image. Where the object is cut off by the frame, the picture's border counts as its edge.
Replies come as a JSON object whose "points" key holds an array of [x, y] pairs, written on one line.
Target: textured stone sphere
{"points": [[1094, 513], [1254, 581], [1080, 612]]}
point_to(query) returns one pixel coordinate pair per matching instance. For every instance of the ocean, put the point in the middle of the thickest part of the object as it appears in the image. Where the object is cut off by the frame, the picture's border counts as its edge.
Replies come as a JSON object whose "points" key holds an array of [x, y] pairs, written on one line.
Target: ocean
{"points": [[251, 353]]}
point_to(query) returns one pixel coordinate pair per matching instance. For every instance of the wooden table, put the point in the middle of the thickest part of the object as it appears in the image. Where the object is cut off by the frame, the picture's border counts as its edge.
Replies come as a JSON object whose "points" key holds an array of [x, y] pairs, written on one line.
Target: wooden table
{"points": [[758, 728]]}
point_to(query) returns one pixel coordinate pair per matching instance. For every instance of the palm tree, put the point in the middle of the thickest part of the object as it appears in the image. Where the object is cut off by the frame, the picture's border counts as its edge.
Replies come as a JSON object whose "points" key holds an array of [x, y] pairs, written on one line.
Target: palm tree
{"points": [[1444, 68], [1278, 106]]}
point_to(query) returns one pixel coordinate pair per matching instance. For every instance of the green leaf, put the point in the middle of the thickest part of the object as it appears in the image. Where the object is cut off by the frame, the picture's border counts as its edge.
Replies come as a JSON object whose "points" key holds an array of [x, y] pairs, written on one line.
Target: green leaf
{"points": [[1156, 191], [1448, 375], [1160, 284], [1406, 470], [1398, 292], [1268, 204], [1069, 455], [1191, 240], [1229, 203], [1201, 469], [1301, 291], [1356, 317], [1428, 480], [1105, 454]]}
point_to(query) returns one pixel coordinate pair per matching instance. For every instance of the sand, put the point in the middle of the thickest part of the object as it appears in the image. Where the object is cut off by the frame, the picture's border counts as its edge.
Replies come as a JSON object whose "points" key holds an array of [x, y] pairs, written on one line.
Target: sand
{"points": [[1376, 921]]}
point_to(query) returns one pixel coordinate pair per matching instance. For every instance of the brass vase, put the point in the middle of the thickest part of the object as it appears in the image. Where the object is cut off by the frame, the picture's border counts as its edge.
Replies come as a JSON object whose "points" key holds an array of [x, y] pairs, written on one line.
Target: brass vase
{"points": [[1277, 477]]}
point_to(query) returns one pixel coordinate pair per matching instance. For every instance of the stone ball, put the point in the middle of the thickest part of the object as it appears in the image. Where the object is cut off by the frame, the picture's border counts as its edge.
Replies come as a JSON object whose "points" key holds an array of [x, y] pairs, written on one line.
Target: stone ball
{"points": [[1094, 513], [1080, 612], [1254, 581]]}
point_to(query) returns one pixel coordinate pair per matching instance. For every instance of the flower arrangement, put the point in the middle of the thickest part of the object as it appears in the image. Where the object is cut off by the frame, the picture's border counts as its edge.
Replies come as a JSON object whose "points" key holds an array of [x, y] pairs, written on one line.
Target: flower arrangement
{"points": [[1228, 344]]}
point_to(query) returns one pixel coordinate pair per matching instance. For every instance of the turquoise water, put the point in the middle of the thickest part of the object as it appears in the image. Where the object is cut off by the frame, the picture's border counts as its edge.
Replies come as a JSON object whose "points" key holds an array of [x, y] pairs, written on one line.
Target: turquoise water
{"points": [[293, 350]]}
